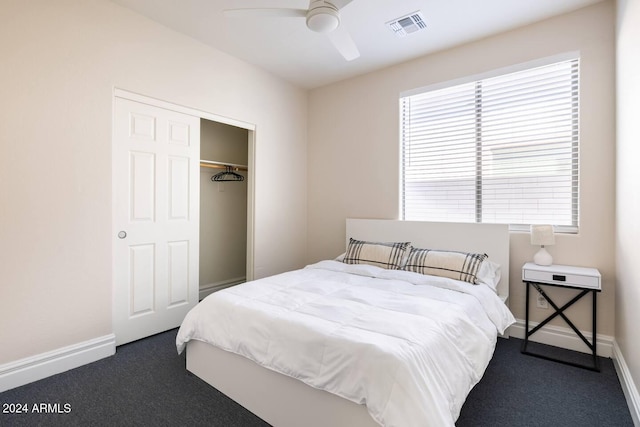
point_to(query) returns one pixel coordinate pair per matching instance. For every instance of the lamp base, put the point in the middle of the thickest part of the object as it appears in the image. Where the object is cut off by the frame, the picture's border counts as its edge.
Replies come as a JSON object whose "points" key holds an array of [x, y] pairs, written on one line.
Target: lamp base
{"points": [[542, 257]]}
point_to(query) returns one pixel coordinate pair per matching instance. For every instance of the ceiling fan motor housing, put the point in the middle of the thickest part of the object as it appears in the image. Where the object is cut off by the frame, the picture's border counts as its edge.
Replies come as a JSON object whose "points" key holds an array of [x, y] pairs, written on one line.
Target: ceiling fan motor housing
{"points": [[323, 18]]}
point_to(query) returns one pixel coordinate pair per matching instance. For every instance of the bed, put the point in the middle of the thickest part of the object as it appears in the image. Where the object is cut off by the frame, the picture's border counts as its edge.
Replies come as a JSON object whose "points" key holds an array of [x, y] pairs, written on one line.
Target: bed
{"points": [[344, 343]]}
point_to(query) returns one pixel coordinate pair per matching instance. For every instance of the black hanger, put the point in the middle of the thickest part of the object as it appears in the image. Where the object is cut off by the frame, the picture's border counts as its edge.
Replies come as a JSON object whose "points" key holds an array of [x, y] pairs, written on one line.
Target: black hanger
{"points": [[227, 175]]}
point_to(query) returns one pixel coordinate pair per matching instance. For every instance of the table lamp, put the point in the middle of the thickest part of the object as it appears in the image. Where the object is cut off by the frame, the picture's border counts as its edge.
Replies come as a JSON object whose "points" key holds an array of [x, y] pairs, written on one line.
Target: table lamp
{"points": [[542, 235]]}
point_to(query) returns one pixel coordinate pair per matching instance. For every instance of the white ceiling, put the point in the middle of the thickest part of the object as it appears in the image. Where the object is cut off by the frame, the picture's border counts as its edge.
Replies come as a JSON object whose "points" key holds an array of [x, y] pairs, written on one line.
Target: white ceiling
{"points": [[285, 47]]}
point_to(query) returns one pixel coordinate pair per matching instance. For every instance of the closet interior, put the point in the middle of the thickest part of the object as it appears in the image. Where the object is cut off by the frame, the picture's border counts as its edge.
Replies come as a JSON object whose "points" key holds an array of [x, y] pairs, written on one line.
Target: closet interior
{"points": [[223, 206]]}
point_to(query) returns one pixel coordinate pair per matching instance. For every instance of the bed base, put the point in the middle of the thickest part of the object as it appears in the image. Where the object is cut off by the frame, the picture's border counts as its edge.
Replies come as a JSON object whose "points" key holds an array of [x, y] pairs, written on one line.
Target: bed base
{"points": [[280, 400]]}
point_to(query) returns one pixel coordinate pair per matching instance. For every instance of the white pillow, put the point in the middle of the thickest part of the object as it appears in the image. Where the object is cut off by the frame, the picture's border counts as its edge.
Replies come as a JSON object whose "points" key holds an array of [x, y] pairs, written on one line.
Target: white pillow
{"points": [[489, 274]]}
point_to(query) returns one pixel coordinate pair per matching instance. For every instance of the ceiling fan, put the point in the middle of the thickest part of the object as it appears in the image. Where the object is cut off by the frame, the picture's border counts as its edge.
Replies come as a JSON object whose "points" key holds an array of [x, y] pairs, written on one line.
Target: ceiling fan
{"points": [[321, 17]]}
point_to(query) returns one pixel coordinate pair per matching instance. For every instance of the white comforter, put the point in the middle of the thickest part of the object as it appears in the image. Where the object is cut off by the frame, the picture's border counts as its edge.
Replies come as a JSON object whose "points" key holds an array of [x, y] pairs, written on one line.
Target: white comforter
{"points": [[408, 346]]}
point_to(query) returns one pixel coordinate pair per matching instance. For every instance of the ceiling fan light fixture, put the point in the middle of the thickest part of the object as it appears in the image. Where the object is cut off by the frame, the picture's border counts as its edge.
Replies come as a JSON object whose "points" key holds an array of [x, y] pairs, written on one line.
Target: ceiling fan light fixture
{"points": [[323, 19]]}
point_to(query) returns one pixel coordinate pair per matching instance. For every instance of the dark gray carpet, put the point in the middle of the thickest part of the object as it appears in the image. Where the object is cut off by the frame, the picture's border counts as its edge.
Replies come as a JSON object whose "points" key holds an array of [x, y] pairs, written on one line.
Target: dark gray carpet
{"points": [[146, 384], [521, 390]]}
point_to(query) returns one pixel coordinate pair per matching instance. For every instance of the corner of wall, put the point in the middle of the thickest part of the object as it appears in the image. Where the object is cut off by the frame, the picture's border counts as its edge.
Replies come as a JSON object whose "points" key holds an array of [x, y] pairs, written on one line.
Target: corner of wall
{"points": [[629, 388]]}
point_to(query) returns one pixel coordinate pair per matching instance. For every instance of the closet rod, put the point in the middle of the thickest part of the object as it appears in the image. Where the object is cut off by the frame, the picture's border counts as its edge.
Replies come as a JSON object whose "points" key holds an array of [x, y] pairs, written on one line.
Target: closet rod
{"points": [[220, 165]]}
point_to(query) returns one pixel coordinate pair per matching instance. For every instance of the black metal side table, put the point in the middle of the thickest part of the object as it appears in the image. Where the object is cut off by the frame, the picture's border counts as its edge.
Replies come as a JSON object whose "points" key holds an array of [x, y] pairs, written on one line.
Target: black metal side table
{"points": [[584, 280]]}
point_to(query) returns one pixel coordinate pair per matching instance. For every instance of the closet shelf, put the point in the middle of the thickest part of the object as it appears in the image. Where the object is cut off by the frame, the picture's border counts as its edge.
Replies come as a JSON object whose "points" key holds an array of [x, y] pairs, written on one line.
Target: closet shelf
{"points": [[221, 165]]}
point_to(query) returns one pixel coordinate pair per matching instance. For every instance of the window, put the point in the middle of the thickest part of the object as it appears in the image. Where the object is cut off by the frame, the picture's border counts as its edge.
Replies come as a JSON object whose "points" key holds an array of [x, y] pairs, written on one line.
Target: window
{"points": [[502, 149]]}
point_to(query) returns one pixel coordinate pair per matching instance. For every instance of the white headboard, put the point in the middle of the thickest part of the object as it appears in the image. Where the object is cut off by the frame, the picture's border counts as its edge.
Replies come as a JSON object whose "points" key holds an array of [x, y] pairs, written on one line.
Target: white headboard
{"points": [[490, 239]]}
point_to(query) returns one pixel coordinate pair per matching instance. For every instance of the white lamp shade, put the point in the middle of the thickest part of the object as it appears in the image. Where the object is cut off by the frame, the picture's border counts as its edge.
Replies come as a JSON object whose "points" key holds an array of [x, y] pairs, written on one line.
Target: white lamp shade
{"points": [[542, 235]]}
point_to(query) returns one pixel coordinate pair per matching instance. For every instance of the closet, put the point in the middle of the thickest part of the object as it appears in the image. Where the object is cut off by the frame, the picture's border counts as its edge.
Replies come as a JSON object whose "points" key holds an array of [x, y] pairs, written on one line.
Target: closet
{"points": [[223, 205], [177, 234]]}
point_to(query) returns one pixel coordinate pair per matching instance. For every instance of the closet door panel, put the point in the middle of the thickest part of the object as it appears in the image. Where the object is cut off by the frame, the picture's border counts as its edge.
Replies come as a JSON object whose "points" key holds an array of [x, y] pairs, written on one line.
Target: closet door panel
{"points": [[178, 273], [179, 188], [142, 279], [179, 134], [142, 181], [142, 127]]}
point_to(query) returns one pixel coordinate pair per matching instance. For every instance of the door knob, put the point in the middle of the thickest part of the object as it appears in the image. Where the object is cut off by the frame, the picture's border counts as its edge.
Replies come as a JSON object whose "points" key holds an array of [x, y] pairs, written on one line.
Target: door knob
{"points": [[122, 234]]}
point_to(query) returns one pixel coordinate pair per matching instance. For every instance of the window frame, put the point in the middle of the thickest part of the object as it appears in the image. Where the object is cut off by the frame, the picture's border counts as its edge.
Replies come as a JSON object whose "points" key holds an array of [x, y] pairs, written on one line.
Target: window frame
{"points": [[477, 78]]}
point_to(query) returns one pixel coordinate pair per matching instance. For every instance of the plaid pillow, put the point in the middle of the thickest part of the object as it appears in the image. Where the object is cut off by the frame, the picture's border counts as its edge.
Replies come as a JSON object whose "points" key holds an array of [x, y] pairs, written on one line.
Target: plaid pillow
{"points": [[455, 265], [385, 255]]}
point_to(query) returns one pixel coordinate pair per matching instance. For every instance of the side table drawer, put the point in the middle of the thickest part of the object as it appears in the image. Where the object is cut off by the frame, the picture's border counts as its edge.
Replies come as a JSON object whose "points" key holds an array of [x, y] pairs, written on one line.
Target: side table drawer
{"points": [[582, 278]]}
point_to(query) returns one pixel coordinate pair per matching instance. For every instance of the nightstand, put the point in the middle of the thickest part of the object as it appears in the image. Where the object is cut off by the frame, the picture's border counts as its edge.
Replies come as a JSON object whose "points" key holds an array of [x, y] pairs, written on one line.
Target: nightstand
{"points": [[582, 280]]}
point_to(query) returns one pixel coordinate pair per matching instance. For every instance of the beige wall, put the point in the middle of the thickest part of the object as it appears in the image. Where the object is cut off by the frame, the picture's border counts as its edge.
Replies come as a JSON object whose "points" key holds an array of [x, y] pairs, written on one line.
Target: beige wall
{"points": [[354, 146], [628, 177], [220, 142], [60, 63]]}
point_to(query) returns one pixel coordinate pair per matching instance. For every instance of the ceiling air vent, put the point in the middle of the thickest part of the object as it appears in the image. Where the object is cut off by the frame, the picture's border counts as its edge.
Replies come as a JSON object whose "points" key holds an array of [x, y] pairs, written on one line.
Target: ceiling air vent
{"points": [[407, 24]]}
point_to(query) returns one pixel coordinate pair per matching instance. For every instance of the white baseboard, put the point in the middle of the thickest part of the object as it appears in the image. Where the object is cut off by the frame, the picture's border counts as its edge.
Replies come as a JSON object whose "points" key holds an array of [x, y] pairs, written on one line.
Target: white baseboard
{"points": [[34, 368], [210, 288], [629, 388], [563, 337]]}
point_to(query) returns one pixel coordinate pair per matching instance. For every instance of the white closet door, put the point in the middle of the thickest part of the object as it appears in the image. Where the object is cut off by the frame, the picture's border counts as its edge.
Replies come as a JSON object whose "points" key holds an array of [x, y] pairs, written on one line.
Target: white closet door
{"points": [[155, 219]]}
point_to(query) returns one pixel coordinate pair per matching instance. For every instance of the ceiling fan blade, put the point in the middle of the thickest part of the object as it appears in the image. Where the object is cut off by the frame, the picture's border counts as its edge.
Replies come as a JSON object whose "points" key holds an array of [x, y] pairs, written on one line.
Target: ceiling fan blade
{"points": [[344, 43], [266, 13], [340, 3]]}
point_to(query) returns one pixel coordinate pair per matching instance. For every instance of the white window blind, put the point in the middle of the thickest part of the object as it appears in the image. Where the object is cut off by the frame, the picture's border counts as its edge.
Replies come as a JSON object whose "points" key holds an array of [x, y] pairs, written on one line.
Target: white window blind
{"points": [[498, 150]]}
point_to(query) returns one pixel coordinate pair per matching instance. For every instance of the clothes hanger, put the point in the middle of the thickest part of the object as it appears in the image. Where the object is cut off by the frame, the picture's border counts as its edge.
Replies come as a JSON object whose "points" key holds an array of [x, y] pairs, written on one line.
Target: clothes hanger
{"points": [[227, 175]]}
